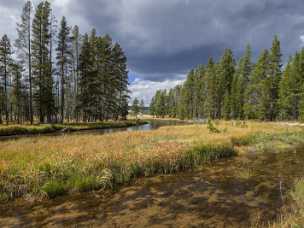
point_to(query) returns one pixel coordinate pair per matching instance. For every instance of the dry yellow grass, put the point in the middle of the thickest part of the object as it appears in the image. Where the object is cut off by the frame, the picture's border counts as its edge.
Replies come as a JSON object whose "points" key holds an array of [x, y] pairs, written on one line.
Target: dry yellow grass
{"points": [[166, 141], [31, 162]]}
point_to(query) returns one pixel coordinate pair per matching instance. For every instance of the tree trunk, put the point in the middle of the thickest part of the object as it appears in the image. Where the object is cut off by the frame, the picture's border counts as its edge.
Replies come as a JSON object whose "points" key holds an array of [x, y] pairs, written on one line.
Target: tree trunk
{"points": [[30, 68]]}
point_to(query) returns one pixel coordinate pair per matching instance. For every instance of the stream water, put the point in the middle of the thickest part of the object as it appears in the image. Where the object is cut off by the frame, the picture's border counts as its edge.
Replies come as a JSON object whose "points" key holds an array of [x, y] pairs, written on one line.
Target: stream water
{"points": [[153, 124], [236, 192]]}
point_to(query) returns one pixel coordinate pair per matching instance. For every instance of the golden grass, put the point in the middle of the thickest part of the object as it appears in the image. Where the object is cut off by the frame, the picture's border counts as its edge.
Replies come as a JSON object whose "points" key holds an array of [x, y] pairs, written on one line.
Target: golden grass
{"points": [[294, 217], [28, 164]]}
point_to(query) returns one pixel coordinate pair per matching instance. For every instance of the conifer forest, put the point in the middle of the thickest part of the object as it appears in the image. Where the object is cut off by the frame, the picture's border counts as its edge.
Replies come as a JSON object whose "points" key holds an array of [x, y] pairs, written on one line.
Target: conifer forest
{"points": [[238, 89], [52, 73]]}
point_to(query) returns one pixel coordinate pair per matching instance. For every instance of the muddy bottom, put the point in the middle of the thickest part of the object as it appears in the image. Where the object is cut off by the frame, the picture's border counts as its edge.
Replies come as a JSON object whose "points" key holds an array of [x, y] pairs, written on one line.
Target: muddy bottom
{"points": [[233, 193]]}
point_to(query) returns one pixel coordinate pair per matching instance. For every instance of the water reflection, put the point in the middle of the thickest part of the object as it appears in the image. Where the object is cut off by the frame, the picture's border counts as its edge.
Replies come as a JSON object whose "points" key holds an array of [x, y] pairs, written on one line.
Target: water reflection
{"points": [[152, 125]]}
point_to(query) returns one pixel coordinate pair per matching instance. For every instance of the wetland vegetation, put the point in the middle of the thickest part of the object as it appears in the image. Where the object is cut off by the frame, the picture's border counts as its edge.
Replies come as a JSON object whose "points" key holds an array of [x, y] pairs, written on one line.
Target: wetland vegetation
{"points": [[48, 167]]}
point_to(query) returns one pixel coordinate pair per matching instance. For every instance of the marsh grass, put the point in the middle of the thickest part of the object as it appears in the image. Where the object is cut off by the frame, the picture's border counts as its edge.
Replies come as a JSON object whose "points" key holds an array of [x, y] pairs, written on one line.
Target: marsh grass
{"points": [[211, 127], [9, 130], [245, 173], [53, 188], [51, 166], [294, 215]]}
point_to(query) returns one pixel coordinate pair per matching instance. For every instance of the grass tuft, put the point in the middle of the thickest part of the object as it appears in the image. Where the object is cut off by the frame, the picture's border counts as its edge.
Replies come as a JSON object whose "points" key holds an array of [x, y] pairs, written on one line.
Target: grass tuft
{"points": [[53, 188]]}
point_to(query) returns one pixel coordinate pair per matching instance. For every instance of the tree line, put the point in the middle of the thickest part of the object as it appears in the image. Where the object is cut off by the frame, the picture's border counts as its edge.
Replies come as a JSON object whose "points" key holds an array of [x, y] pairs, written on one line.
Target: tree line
{"points": [[238, 90], [52, 73]]}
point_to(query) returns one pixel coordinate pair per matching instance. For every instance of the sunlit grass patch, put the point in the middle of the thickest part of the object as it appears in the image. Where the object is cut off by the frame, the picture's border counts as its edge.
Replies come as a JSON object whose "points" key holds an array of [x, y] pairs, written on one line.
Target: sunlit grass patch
{"points": [[59, 165]]}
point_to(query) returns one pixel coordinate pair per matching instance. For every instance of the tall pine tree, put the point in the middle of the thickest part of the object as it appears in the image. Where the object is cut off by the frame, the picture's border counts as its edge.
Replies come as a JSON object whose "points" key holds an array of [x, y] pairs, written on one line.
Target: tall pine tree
{"points": [[63, 57], [23, 46], [5, 63], [41, 63]]}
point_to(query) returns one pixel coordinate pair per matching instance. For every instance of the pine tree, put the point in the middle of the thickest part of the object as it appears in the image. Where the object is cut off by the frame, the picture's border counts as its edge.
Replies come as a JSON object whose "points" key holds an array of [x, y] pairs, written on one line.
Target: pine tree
{"points": [[142, 106], [135, 107], [199, 92], [172, 103], [159, 104], [226, 72], [291, 88], [23, 46], [85, 66], [5, 63], [285, 93], [152, 107], [299, 85], [41, 63], [243, 79], [301, 104], [2, 102], [121, 79], [188, 95], [75, 59], [275, 65], [211, 90], [104, 83], [63, 59], [236, 102], [256, 93], [17, 94]]}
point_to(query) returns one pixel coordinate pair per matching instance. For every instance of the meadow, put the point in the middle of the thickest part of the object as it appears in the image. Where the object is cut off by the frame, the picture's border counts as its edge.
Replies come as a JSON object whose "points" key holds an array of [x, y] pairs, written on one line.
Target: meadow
{"points": [[51, 166]]}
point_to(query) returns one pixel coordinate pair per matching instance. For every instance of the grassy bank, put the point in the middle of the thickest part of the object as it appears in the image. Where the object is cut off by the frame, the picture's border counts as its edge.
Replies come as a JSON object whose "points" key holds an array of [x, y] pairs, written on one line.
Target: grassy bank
{"points": [[288, 141], [48, 166], [294, 215], [11, 130]]}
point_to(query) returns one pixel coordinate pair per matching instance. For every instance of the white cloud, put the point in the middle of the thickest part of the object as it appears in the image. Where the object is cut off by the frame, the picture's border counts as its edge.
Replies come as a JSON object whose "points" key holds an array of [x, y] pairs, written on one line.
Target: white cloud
{"points": [[145, 89], [302, 39], [8, 20]]}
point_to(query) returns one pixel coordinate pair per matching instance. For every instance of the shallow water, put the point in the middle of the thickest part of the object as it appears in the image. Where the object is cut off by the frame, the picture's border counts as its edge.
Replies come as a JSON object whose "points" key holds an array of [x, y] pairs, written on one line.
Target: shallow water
{"points": [[230, 193]]}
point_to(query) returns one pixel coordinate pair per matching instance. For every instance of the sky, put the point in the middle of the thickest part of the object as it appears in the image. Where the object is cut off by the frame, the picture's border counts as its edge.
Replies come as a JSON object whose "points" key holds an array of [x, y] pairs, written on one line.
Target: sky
{"points": [[164, 39]]}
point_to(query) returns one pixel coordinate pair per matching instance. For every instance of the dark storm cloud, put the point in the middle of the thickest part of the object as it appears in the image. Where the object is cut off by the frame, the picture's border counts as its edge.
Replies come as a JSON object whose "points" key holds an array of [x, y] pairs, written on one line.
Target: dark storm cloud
{"points": [[165, 38], [159, 66]]}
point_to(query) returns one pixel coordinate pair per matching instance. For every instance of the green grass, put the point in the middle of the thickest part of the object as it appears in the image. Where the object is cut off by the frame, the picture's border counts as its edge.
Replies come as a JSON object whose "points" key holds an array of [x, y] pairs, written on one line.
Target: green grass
{"points": [[287, 137], [53, 188], [56, 181]]}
